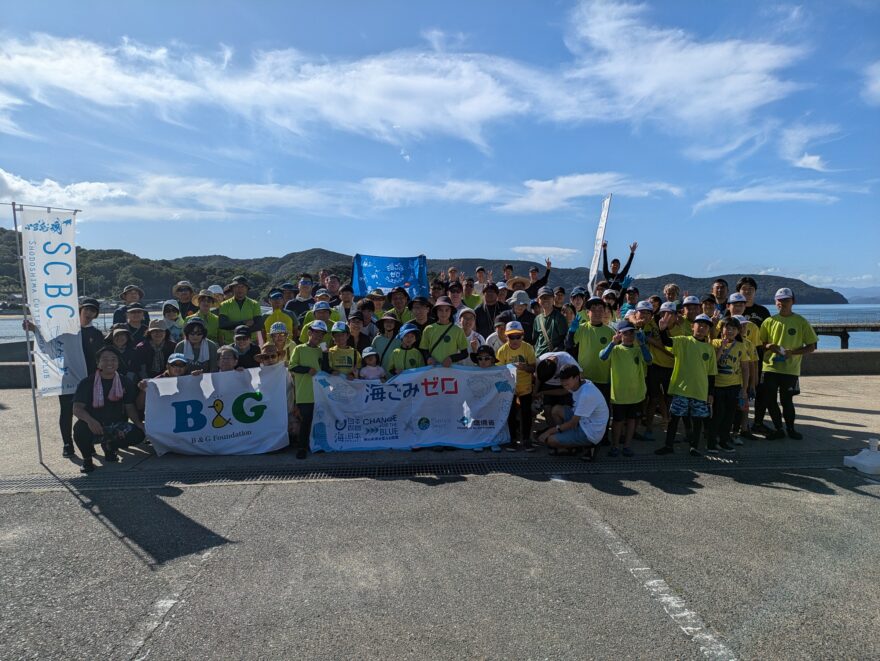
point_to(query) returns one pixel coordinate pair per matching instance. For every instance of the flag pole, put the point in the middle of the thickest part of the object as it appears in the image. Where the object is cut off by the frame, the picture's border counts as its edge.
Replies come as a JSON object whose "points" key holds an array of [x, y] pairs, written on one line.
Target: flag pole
{"points": [[28, 345], [597, 247]]}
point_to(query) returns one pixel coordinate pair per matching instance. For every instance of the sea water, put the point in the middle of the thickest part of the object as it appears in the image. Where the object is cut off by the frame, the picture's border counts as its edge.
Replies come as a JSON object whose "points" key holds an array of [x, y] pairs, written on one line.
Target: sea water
{"points": [[10, 326]]}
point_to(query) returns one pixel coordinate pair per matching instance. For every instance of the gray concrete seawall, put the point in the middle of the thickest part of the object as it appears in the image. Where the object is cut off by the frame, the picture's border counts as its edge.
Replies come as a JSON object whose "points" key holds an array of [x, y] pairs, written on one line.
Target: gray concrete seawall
{"points": [[849, 362]]}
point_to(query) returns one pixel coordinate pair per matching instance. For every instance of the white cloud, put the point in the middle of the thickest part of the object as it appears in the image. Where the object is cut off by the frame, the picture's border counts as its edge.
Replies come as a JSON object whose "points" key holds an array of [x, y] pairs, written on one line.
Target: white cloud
{"points": [[871, 90], [552, 194], [646, 71], [392, 192], [51, 193], [543, 252], [794, 140], [622, 69], [817, 191]]}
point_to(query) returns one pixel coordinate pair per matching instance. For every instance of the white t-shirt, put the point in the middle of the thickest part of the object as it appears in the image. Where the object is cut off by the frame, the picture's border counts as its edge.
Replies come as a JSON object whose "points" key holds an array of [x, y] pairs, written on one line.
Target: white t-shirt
{"points": [[494, 341], [592, 411], [479, 342], [563, 358]]}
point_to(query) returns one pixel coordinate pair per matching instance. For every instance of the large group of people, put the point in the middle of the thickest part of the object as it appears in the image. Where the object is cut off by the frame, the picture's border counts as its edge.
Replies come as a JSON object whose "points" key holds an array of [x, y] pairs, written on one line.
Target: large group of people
{"points": [[594, 366]]}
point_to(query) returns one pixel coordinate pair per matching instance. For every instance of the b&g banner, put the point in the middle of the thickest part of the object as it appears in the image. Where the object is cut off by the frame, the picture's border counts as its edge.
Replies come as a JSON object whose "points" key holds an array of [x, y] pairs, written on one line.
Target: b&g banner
{"points": [[219, 413], [460, 406]]}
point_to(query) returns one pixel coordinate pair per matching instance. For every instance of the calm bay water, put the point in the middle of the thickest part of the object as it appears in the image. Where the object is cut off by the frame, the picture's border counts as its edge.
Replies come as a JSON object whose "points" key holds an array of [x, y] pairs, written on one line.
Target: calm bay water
{"points": [[10, 327]]}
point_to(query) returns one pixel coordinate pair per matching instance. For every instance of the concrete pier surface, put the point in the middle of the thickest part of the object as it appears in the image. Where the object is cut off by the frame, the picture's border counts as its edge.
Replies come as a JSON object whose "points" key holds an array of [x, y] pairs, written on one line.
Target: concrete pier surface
{"points": [[768, 553]]}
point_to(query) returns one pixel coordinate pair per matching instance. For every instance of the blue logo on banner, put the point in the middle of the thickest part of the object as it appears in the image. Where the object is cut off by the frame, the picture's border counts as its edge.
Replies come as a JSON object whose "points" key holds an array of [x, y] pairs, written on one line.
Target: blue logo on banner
{"points": [[370, 272]]}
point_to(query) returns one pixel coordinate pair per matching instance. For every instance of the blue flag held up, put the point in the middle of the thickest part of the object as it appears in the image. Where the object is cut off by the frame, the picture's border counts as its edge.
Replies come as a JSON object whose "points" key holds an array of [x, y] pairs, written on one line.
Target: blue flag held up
{"points": [[369, 272]]}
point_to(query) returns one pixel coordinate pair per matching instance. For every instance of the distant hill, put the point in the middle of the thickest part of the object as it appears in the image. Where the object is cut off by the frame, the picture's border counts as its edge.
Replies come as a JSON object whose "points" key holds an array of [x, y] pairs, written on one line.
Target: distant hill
{"points": [[103, 273], [861, 294]]}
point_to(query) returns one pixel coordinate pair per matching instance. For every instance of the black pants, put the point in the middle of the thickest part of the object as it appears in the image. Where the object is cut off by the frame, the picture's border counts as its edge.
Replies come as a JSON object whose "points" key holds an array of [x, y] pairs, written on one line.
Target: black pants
{"points": [[65, 418], [306, 413], [85, 439], [724, 407], [521, 409], [784, 385], [693, 427]]}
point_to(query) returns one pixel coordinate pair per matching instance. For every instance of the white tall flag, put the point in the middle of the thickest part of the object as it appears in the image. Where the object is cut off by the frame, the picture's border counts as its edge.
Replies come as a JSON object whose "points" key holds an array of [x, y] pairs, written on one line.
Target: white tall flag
{"points": [[48, 244], [597, 247]]}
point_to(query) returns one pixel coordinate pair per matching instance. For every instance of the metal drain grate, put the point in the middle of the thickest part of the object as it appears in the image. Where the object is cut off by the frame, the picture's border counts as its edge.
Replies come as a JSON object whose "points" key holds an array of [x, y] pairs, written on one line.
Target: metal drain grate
{"points": [[101, 480]]}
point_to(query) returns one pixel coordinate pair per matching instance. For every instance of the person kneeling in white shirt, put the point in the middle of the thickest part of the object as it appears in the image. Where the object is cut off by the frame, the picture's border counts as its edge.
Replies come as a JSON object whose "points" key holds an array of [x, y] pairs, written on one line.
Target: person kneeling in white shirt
{"points": [[582, 425]]}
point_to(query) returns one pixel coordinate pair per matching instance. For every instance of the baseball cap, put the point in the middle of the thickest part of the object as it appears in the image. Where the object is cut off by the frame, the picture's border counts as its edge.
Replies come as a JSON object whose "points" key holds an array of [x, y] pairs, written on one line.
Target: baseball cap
{"points": [[242, 331], [321, 305], [277, 327], [644, 305], [609, 292], [421, 300], [456, 286], [318, 325], [578, 291], [305, 282], [407, 328], [288, 286], [134, 306], [593, 300], [339, 327], [514, 327], [703, 319], [742, 319], [736, 297], [483, 349], [533, 269], [625, 326], [545, 291], [321, 292], [632, 290], [783, 293], [276, 294], [369, 351], [559, 290], [176, 358], [690, 300], [89, 303], [668, 306], [215, 289]]}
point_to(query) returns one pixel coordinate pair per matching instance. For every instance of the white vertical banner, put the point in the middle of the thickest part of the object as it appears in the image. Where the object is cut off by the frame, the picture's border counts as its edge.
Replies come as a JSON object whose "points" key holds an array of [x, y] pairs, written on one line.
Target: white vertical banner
{"points": [[48, 245], [597, 247]]}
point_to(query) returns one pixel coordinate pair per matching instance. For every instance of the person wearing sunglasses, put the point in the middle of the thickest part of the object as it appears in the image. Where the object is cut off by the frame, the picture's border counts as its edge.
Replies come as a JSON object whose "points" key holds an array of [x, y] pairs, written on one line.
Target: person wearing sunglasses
{"points": [[199, 351]]}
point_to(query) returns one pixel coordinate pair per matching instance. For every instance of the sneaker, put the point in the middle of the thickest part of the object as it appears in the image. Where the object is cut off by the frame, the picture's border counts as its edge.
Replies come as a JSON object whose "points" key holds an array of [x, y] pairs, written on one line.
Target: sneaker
{"points": [[795, 435], [67, 450], [109, 453], [747, 435], [761, 428], [302, 453], [725, 447], [737, 441], [87, 467], [695, 453], [512, 447], [664, 450], [529, 447], [775, 435], [627, 452], [614, 452]]}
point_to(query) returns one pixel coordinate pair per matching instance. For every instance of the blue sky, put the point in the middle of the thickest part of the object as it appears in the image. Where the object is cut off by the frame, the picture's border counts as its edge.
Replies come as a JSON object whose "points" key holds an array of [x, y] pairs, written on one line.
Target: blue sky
{"points": [[735, 137]]}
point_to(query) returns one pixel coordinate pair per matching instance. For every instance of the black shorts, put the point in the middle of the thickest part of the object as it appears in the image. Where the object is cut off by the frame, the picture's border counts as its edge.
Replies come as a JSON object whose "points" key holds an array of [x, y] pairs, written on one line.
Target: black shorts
{"points": [[621, 412], [658, 380], [555, 400]]}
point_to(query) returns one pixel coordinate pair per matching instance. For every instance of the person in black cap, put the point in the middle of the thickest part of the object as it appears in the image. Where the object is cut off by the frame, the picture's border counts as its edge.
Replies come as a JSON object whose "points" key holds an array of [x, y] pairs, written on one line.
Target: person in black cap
{"points": [[420, 307], [104, 405], [130, 294], [239, 311], [135, 316], [535, 282], [558, 298], [92, 339], [490, 308], [247, 350]]}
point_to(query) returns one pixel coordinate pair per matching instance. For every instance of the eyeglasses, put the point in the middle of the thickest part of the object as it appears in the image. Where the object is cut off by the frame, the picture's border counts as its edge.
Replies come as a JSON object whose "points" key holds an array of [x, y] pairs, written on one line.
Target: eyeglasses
{"points": [[485, 359]]}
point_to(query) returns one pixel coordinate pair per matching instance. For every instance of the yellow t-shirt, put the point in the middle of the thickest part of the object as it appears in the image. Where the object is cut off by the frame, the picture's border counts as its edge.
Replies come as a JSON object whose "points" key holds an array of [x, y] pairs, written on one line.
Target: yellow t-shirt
{"points": [[304, 334], [628, 371], [343, 360], [452, 343], [278, 315], [524, 354], [792, 332], [406, 359], [305, 356], [731, 363], [591, 340], [694, 363]]}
